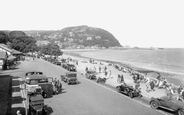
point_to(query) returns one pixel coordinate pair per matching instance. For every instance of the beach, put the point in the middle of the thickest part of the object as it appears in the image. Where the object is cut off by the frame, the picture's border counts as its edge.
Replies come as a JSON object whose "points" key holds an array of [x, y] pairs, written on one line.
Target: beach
{"points": [[172, 77], [83, 62]]}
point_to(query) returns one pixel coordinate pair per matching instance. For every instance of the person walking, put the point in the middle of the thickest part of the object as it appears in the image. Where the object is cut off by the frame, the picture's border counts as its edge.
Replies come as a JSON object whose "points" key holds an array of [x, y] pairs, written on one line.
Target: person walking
{"points": [[106, 73], [152, 85], [122, 78], [105, 68], [118, 78], [86, 69], [148, 84]]}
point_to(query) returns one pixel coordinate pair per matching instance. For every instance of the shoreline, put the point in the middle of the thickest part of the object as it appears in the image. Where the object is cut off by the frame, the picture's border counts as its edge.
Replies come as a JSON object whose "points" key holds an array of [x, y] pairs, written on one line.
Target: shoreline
{"points": [[171, 77]]}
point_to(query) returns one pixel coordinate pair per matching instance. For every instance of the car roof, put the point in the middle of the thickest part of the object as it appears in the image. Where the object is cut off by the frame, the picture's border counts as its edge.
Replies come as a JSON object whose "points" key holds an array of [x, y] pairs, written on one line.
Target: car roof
{"points": [[36, 98], [34, 72], [37, 77], [71, 64], [70, 72]]}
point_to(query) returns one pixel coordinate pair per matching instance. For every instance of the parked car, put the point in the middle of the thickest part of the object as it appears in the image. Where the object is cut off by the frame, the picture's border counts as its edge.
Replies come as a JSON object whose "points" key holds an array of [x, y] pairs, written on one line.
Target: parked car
{"points": [[168, 102], [64, 65], [36, 78], [91, 74], [129, 90], [57, 63], [30, 73], [71, 67], [70, 77]]}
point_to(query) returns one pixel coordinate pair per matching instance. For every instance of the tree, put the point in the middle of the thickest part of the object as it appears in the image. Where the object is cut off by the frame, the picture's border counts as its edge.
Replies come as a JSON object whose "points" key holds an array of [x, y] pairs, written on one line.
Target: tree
{"points": [[16, 34], [51, 49], [3, 37], [24, 44]]}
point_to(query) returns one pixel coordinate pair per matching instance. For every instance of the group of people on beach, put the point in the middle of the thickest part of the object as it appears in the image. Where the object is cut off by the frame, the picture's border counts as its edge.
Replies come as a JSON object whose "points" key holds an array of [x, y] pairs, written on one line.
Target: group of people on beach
{"points": [[104, 70]]}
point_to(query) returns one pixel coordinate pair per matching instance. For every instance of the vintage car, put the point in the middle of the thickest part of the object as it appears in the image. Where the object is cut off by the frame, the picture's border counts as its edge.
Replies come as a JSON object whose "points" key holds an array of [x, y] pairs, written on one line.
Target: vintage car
{"points": [[69, 77], [168, 102], [36, 105], [34, 80], [91, 75], [64, 65], [57, 63], [129, 90], [30, 73], [71, 67]]}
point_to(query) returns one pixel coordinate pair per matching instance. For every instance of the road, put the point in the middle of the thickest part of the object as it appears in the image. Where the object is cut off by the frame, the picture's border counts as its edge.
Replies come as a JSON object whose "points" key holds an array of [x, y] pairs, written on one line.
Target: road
{"points": [[86, 98]]}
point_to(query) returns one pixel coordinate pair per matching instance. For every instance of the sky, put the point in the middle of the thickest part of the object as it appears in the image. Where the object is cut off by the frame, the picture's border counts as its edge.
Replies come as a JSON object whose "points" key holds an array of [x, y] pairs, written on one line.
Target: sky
{"points": [[141, 23]]}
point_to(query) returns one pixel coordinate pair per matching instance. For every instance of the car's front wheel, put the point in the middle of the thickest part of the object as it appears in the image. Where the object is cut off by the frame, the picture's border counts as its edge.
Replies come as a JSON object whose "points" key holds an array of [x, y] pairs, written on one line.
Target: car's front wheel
{"points": [[154, 104], [180, 112], [130, 94], [118, 89]]}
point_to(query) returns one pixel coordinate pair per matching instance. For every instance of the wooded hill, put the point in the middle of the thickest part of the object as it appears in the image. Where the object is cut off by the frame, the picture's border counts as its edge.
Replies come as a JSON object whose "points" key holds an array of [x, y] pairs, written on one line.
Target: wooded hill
{"points": [[77, 35]]}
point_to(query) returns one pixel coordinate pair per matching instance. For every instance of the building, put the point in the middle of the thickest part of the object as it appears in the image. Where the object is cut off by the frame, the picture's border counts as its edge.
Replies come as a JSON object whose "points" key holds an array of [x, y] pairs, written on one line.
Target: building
{"points": [[42, 42], [3, 60], [8, 56]]}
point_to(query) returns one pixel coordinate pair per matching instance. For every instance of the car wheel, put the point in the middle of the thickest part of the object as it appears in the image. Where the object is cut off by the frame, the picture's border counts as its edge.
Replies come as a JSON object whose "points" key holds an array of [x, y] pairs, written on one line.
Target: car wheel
{"points": [[126, 90], [180, 112], [130, 94], [154, 104], [118, 89]]}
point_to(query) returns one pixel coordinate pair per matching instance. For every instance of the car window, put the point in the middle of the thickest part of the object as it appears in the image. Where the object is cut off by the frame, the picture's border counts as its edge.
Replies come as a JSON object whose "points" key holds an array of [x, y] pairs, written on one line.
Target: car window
{"points": [[33, 82], [42, 81], [72, 75]]}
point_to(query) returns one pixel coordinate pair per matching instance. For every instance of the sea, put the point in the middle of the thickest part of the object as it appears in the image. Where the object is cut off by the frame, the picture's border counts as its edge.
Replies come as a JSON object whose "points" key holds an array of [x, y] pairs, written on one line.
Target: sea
{"points": [[169, 60]]}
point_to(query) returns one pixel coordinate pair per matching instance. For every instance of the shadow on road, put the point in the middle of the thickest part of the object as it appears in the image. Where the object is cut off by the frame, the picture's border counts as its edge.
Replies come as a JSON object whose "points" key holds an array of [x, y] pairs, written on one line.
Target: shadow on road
{"points": [[167, 111], [49, 110]]}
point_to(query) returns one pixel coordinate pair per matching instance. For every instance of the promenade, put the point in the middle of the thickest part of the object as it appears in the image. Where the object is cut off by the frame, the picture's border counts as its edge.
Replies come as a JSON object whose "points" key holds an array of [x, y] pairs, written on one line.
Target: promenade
{"points": [[85, 98]]}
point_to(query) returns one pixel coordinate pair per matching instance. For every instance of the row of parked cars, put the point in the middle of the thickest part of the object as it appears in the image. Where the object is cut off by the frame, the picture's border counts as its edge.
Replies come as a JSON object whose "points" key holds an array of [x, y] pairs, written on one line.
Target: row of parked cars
{"points": [[63, 63], [69, 67]]}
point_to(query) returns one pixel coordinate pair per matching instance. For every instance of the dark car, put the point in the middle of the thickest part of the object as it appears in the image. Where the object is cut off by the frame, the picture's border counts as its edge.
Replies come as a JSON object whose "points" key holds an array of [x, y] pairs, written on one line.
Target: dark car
{"points": [[36, 105], [71, 67], [129, 90], [69, 77], [57, 63], [168, 102], [91, 74], [64, 65], [30, 73]]}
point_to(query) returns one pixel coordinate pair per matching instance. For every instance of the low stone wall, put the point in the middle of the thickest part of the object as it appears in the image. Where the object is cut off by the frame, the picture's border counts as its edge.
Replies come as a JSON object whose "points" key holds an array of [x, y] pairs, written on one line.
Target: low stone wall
{"points": [[5, 94]]}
